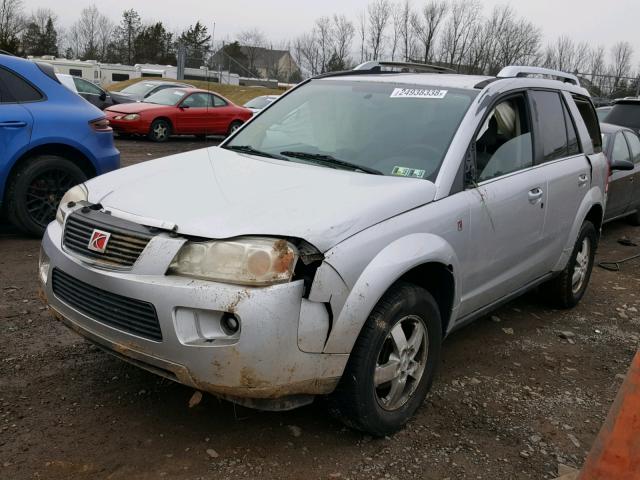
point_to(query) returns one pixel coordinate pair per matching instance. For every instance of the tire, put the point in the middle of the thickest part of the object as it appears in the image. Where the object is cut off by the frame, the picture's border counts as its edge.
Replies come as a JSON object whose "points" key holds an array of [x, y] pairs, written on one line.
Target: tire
{"points": [[568, 288], [236, 124], [376, 410], [36, 190], [160, 130]]}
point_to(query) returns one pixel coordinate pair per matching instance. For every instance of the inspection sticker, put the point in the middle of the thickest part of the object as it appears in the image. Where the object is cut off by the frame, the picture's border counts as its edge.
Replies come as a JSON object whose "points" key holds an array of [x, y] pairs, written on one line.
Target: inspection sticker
{"points": [[407, 172], [418, 93]]}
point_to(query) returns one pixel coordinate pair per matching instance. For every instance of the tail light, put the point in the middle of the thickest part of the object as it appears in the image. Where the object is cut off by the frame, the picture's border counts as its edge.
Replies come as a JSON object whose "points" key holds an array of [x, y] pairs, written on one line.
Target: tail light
{"points": [[100, 125]]}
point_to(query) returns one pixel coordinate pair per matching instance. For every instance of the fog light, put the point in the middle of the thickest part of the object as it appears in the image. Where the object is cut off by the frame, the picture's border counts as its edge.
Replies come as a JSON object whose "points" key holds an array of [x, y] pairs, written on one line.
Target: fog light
{"points": [[230, 324], [44, 265]]}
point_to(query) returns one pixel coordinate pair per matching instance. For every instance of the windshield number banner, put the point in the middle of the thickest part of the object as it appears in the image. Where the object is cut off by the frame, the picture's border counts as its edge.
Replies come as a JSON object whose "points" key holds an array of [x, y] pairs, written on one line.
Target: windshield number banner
{"points": [[418, 93]]}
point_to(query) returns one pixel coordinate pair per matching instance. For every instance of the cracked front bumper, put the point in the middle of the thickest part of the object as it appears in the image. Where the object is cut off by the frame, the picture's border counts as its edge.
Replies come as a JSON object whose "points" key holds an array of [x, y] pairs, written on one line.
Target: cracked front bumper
{"points": [[260, 361]]}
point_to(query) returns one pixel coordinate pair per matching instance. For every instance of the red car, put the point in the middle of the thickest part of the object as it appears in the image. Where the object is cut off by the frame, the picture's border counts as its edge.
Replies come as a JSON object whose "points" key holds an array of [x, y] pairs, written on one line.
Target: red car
{"points": [[178, 111]]}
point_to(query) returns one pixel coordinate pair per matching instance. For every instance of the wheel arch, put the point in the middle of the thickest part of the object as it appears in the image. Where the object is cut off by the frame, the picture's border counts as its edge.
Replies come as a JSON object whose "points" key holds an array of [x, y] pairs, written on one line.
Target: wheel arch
{"points": [[432, 265], [58, 149]]}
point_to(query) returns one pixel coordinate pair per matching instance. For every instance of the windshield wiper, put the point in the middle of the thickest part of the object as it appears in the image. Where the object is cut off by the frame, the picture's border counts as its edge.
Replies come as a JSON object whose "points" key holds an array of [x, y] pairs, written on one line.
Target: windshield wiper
{"points": [[330, 161], [253, 151]]}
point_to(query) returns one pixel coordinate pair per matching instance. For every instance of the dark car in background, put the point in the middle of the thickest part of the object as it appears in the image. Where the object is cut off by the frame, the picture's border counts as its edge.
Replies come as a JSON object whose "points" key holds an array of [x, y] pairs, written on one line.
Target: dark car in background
{"points": [[87, 90], [139, 91], [621, 144], [626, 113], [50, 138]]}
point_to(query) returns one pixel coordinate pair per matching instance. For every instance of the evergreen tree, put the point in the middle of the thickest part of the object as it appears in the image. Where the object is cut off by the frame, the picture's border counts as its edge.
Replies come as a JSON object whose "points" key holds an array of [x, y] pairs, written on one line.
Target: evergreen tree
{"points": [[197, 43], [155, 44], [49, 39], [126, 35]]}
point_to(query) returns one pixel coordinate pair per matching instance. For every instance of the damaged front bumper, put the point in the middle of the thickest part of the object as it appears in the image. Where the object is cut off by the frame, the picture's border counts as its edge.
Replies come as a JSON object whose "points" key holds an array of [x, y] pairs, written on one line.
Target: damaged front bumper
{"points": [[260, 365]]}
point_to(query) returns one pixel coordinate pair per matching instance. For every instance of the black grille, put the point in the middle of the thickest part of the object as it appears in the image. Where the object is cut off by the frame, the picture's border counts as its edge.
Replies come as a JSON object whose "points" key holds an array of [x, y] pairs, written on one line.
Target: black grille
{"points": [[126, 243], [134, 316]]}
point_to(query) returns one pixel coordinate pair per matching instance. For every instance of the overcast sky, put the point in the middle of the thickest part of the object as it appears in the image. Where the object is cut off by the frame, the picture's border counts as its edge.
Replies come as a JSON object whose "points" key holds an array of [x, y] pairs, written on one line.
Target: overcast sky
{"points": [[594, 21]]}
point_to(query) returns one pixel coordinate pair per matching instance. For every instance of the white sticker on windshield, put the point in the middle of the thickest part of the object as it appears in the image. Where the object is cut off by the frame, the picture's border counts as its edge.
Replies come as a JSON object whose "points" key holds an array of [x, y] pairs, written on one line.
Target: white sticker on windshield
{"points": [[407, 172], [418, 93]]}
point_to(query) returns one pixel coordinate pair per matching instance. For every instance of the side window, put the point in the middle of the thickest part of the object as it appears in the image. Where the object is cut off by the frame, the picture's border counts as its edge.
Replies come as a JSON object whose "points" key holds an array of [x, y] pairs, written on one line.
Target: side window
{"points": [[573, 146], [218, 102], [15, 89], [503, 144], [634, 145], [620, 149], [75, 72], [548, 111], [196, 100], [119, 77], [590, 118], [86, 87]]}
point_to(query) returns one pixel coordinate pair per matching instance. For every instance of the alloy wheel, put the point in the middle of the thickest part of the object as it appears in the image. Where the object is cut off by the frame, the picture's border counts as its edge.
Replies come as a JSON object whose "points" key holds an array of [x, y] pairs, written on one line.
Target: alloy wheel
{"points": [[401, 363], [581, 268], [44, 194]]}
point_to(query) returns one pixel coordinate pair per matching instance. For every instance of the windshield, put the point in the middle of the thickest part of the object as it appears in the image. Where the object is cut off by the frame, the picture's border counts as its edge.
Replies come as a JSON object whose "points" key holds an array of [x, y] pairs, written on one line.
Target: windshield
{"points": [[140, 88], [625, 114], [400, 130], [259, 102], [603, 112], [168, 96]]}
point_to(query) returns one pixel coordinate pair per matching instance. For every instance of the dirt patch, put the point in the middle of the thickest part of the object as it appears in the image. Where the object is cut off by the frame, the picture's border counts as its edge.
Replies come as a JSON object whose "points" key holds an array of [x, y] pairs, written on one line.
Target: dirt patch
{"points": [[503, 406]]}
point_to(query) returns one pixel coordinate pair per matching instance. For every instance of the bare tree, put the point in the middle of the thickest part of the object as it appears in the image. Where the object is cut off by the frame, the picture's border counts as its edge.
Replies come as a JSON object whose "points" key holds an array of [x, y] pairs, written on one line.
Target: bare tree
{"points": [[459, 31], [323, 33], [252, 41], [343, 32], [91, 34], [406, 30], [378, 13], [11, 24], [621, 54], [396, 29], [426, 26], [306, 53], [362, 33]]}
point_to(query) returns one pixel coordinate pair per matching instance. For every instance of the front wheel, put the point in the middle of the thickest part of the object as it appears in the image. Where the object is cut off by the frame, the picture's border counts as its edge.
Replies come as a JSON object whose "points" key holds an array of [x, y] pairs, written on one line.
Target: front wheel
{"points": [[568, 288], [36, 190], [160, 130], [392, 363]]}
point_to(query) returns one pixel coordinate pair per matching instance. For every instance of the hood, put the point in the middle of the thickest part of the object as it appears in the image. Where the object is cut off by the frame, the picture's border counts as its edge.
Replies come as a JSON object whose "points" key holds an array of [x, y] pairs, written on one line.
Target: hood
{"points": [[136, 107], [216, 193]]}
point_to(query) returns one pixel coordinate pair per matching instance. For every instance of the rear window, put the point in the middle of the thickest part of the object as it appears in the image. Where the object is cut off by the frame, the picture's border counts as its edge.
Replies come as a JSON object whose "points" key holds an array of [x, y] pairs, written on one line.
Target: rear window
{"points": [[590, 119], [549, 113], [625, 114], [15, 89]]}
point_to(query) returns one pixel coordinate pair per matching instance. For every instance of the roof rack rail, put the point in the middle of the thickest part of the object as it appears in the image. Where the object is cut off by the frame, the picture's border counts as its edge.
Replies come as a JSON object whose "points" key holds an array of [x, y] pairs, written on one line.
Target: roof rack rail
{"points": [[380, 67], [520, 71], [402, 67], [5, 52]]}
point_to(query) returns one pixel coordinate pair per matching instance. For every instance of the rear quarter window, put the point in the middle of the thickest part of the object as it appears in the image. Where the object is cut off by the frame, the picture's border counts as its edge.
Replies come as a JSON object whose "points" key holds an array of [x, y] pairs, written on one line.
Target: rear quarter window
{"points": [[590, 119], [14, 89]]}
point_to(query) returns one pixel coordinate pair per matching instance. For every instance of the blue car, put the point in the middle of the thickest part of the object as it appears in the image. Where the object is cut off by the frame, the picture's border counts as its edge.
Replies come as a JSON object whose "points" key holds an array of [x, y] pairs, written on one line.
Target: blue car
{"points": [[50, 140]]}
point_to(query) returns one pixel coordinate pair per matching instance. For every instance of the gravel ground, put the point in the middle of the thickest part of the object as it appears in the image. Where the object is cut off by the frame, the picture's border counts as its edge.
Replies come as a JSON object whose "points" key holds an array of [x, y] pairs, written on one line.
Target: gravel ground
{"points": [[518, 392]]}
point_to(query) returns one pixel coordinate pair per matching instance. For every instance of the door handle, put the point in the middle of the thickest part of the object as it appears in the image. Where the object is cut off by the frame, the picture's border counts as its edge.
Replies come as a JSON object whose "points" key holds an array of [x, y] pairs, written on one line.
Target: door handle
{"points": [[535, 195], [13, 124], [583, 179]]}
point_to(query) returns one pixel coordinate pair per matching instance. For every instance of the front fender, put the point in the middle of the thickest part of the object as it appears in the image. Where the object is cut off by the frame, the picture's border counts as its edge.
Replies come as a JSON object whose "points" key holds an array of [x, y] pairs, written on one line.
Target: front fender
{"points": [[384, 270], [593, 198]]}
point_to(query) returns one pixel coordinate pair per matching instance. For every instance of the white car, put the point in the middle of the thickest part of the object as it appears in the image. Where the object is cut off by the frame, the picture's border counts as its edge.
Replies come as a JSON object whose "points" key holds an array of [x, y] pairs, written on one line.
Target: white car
{"points": [[256, 105]]}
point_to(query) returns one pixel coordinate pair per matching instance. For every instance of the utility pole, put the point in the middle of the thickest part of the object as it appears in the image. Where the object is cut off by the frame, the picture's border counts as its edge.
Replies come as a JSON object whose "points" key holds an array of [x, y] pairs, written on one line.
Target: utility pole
{"points": [[181, 61]]}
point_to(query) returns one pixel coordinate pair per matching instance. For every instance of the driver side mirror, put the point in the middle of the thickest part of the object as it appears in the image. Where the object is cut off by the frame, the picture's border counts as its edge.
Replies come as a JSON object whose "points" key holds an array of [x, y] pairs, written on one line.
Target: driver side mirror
{"points": [[621, 165], [103, 96], [182, 106]]}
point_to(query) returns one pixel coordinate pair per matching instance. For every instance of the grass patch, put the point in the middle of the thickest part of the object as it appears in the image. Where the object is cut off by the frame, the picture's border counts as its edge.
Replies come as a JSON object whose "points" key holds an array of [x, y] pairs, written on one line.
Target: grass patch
{"points": [[237, 94]]}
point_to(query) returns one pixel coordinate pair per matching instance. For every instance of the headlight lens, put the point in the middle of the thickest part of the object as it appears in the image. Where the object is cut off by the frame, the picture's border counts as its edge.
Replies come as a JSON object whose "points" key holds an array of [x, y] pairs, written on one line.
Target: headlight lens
{"points": [[131, 116], [79, 193], [253, 261]]}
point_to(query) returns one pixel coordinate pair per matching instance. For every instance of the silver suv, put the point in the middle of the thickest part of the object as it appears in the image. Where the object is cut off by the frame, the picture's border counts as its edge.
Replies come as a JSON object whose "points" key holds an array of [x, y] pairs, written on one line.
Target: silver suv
{"points": [[331, 244]]}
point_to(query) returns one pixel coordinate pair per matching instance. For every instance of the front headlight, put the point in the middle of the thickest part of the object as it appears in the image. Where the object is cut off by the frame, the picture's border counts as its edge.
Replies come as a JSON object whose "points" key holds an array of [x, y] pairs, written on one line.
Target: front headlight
{"points": [[79, 193], [131, 116], [253, 261]]}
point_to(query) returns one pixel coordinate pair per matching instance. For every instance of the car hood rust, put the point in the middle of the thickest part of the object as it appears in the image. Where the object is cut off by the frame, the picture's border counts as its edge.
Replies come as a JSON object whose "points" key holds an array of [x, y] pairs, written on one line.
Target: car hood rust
{"points": [[216, 193]]}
